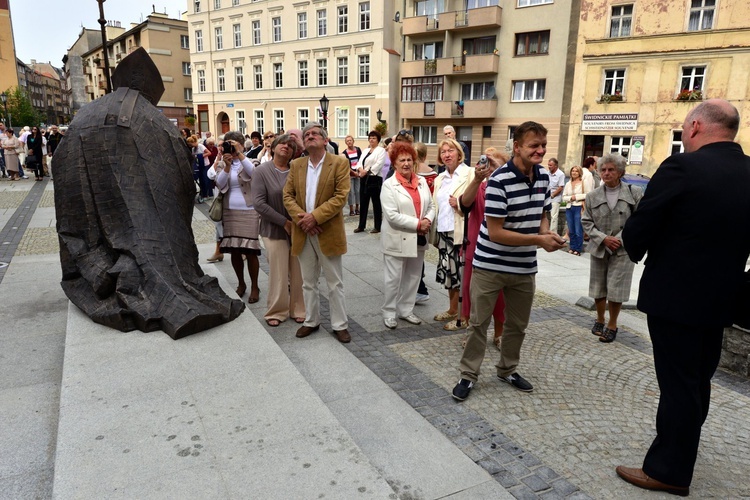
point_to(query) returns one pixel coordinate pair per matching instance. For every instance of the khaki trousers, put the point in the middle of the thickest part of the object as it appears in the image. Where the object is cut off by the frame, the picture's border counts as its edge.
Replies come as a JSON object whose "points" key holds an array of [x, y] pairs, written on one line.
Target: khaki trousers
{"points": [[311, 259], [554, 213], [519, 295], [284, 281]]}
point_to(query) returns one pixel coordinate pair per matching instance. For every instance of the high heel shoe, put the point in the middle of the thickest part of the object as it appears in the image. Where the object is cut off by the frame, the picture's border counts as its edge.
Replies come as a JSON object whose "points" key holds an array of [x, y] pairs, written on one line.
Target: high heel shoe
{"points": [[241, 290]]}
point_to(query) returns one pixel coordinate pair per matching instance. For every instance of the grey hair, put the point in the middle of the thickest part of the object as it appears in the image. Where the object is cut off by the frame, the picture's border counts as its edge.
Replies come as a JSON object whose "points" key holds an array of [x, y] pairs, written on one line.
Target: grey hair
{"points": [[615, 159], [234, 136], [449, 127], [312, 125]]}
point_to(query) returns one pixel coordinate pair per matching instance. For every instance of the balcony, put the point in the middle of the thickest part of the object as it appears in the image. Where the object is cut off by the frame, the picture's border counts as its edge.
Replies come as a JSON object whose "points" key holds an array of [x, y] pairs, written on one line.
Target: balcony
{"points": [[486, 109], [89, 89], [463, 65], [484, 17]]}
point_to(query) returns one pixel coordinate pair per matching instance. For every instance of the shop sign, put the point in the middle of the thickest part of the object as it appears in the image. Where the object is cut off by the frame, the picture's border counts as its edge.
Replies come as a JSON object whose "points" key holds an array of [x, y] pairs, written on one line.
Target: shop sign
{"points": [[609, 121]]}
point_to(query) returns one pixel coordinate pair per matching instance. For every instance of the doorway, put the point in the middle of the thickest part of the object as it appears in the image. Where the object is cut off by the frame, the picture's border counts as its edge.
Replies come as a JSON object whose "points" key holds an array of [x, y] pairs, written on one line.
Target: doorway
{"points": [[593, 145], [224, 122]]}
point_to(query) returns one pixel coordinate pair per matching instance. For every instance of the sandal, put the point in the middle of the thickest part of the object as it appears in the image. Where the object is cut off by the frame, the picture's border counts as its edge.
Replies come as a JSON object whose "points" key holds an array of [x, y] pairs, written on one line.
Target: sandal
{"points": [[273, 322], [577, 254], [299, 320], [241, 290], [254, 296], [598, 329], [608, 335], [445, 316], [452, 326]]}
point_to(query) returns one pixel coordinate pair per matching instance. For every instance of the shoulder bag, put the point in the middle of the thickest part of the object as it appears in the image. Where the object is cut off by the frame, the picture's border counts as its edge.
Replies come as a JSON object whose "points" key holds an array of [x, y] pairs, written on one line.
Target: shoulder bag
{"points": [[216, 210]]}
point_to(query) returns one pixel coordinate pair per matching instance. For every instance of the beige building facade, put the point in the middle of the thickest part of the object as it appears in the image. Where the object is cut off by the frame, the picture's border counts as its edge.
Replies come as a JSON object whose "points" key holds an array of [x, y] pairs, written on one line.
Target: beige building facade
{"points": [[8, 69], [485, 68], [265, 65], [641, 66], [167, 42]]}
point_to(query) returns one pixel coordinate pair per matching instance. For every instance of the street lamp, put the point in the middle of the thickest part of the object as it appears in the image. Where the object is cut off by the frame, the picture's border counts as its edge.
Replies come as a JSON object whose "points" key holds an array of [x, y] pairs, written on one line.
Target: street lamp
{"points": [[4, 98], [324, 110], [380, 115]]}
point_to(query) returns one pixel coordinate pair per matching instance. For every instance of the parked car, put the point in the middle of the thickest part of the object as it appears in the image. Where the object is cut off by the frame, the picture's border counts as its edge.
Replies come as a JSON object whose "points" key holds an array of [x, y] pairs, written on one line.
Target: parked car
{"points": [[637, 180]]}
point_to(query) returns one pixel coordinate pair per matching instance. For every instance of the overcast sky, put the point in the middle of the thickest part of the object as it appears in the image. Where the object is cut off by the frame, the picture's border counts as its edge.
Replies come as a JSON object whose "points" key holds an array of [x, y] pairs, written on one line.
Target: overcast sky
{"points": [[45, 29]]}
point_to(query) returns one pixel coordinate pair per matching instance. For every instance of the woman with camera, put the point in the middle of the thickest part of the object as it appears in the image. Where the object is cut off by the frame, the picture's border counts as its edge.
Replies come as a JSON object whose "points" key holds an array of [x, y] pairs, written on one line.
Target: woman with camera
{"points": [[240, 221]]}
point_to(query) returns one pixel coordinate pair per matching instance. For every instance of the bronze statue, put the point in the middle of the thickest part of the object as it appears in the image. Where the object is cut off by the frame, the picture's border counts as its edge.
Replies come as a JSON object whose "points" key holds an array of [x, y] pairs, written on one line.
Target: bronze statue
{"points": [[124, 201]]}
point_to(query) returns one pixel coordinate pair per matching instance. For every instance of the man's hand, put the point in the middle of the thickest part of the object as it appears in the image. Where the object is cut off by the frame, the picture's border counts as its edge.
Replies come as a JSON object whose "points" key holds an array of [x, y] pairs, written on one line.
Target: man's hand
{"points": [[612, 243], [551, 241], [308, 223]]}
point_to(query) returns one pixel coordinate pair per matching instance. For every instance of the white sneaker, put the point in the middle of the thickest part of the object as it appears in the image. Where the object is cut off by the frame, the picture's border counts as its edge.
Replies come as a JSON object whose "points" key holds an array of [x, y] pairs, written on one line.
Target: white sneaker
{"points": [[422, 298], [390, 323], [412, 319]]}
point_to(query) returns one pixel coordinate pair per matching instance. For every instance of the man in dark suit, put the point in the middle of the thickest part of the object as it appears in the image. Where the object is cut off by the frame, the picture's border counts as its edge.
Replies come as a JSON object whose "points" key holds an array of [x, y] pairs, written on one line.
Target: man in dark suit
{"points": [[315, 193], [692, 221]]}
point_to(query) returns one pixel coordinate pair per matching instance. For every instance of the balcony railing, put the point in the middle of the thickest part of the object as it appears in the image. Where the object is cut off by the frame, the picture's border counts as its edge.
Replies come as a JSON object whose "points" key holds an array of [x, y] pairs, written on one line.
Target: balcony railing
{"points": [[480, 108], [483, 17]]}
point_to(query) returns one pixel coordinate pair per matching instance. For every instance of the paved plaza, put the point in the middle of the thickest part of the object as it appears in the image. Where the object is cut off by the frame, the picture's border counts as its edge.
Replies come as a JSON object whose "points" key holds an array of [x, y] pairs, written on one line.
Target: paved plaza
{"points": [[250, 411]]}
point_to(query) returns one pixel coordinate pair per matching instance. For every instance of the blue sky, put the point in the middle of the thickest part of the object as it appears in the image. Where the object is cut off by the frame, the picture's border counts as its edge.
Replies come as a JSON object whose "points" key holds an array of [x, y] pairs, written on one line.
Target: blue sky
{"points": [[45, 29]]}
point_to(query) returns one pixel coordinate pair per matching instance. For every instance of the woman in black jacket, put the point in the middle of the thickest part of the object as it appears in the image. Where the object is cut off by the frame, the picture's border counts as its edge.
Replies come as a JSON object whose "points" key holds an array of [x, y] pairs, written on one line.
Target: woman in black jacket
{"points": [[34, 144]]}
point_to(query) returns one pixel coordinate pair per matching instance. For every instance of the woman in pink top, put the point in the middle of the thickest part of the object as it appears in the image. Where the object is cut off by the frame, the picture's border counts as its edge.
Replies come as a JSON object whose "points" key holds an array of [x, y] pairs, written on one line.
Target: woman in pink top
{"points": [[472, 203]]}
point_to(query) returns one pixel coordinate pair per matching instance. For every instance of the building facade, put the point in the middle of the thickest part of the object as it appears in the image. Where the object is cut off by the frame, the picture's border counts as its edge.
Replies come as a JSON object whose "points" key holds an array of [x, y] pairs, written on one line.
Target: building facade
{"points": [[641, 66], [74, 73], [166, 41], [8, 66], [52, 98], [484, 67], [265, 65]]}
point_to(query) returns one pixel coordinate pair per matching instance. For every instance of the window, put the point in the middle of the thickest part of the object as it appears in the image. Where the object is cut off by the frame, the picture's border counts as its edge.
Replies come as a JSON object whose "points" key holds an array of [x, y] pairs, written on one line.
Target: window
{"points": [[276, 23], [364, 68], [342, 122], [235, 3], [278, 75], [199, 40], [239, 78], [363, 122], [677, 146], [259, 121], [342, 70], [220, 83], [201, 80], [322, 72], [483, 45], [529, 3], [197, 6], [186, 68], [304, 117], [188, 94], [429, 7], [278, 120], [477, 91], [302, 25], [528, 90], [478, 4], [433, 50], [529, 44], [241, 125], [258, 76], [322, 23], [256, 32], [620, 145], [429, 88], [217, 4], [343, 18], [614, 81], [622, 19], [426, 135], [692, 78], [701, 15], [302, 69], [219, 38], [184, 41], [237, 35], [364, 16]]}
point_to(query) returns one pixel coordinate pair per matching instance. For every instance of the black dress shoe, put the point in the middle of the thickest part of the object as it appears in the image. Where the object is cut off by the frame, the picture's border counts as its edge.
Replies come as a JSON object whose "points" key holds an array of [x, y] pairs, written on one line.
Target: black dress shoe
{"points": [[374, 231], [639, 478], [343, 336], [358, 230], [304, 331]]}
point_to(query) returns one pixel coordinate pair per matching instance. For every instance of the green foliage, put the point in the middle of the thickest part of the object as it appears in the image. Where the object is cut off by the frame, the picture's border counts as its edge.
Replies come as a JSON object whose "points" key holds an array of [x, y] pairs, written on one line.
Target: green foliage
{"points": [[21, 111], [382, 129]]}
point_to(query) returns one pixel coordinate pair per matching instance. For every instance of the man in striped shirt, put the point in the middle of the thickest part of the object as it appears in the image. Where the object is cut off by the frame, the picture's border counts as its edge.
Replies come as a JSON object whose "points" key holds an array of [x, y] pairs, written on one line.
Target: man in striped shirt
{"points": [[505, 259]]}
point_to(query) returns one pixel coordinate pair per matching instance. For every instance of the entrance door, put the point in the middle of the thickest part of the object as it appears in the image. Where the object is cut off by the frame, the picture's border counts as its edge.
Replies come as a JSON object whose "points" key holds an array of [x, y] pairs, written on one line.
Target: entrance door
{"points": [[593, 145], [224, 122]]}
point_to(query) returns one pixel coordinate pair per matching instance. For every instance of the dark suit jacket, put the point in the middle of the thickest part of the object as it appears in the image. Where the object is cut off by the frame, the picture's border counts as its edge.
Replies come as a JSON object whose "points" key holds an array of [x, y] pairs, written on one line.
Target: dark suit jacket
{"points": [[333, 190], [694, 222]]}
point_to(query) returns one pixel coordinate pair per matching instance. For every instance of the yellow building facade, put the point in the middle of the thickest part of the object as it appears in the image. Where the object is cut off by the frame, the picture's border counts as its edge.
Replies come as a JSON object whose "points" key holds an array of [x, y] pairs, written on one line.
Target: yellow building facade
{"points": [[641, 66], [8, 73]]}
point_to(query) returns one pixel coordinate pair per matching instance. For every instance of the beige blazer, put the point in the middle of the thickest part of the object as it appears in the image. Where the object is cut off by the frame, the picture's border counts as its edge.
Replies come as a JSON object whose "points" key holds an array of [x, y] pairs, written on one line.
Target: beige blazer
{"points": [[333, 189]]}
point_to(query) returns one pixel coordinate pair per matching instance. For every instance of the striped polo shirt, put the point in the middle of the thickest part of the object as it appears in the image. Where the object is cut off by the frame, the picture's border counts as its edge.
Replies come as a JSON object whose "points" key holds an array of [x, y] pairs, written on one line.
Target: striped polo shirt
{"points": [[513, 197]]}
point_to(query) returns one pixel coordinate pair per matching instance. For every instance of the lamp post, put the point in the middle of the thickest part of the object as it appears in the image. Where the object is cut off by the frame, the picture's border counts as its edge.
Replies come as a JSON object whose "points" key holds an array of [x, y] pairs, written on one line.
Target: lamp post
{"points": [[380, 115], [105, 53], [324, 110], [4, 98]]}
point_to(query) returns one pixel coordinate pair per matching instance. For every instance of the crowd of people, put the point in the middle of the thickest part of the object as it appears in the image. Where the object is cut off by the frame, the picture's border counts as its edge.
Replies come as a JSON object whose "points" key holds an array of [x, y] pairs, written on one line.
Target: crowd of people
{"points": [[487, 222], [32, 148]]}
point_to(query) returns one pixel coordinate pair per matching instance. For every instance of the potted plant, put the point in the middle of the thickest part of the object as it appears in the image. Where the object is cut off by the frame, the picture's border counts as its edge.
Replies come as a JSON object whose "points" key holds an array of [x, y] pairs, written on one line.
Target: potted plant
{"points": [[689, 95], [190, 121], [616, 97], [382, 129]]}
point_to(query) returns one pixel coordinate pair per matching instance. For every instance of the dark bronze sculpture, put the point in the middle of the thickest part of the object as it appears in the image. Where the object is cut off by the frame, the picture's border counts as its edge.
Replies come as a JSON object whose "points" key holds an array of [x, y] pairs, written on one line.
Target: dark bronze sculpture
{"points": [[124, 201]]}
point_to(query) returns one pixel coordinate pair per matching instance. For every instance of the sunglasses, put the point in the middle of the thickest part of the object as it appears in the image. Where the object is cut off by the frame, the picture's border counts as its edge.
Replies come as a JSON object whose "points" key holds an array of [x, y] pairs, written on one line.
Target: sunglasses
{"points": [[404, 132], [269, 137]]}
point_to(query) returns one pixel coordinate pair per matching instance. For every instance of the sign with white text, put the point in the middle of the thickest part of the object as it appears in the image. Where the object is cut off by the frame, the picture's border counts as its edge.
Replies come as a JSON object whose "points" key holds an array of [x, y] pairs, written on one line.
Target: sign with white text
{"points": [[636, 150], [609, 121]]}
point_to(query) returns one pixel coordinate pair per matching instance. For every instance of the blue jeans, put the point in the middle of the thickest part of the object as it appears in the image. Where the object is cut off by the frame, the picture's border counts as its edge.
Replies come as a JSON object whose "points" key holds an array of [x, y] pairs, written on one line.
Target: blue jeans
{"points": [[575, 229]]}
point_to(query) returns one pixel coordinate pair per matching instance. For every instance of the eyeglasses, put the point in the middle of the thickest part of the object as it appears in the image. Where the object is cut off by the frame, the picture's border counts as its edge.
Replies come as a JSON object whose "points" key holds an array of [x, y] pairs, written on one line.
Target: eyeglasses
{"points": [[271, 136]]}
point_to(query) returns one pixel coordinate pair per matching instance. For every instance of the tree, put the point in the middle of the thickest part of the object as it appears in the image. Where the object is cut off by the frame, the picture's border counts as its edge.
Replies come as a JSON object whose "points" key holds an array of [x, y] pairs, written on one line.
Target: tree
{"points": [[20, 109]]}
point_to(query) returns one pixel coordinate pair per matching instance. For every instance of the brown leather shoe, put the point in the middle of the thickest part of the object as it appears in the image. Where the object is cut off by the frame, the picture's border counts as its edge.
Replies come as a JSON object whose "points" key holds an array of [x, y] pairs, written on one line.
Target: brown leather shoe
{"points": [[639, 478], [343, 336], [304, 331]]}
